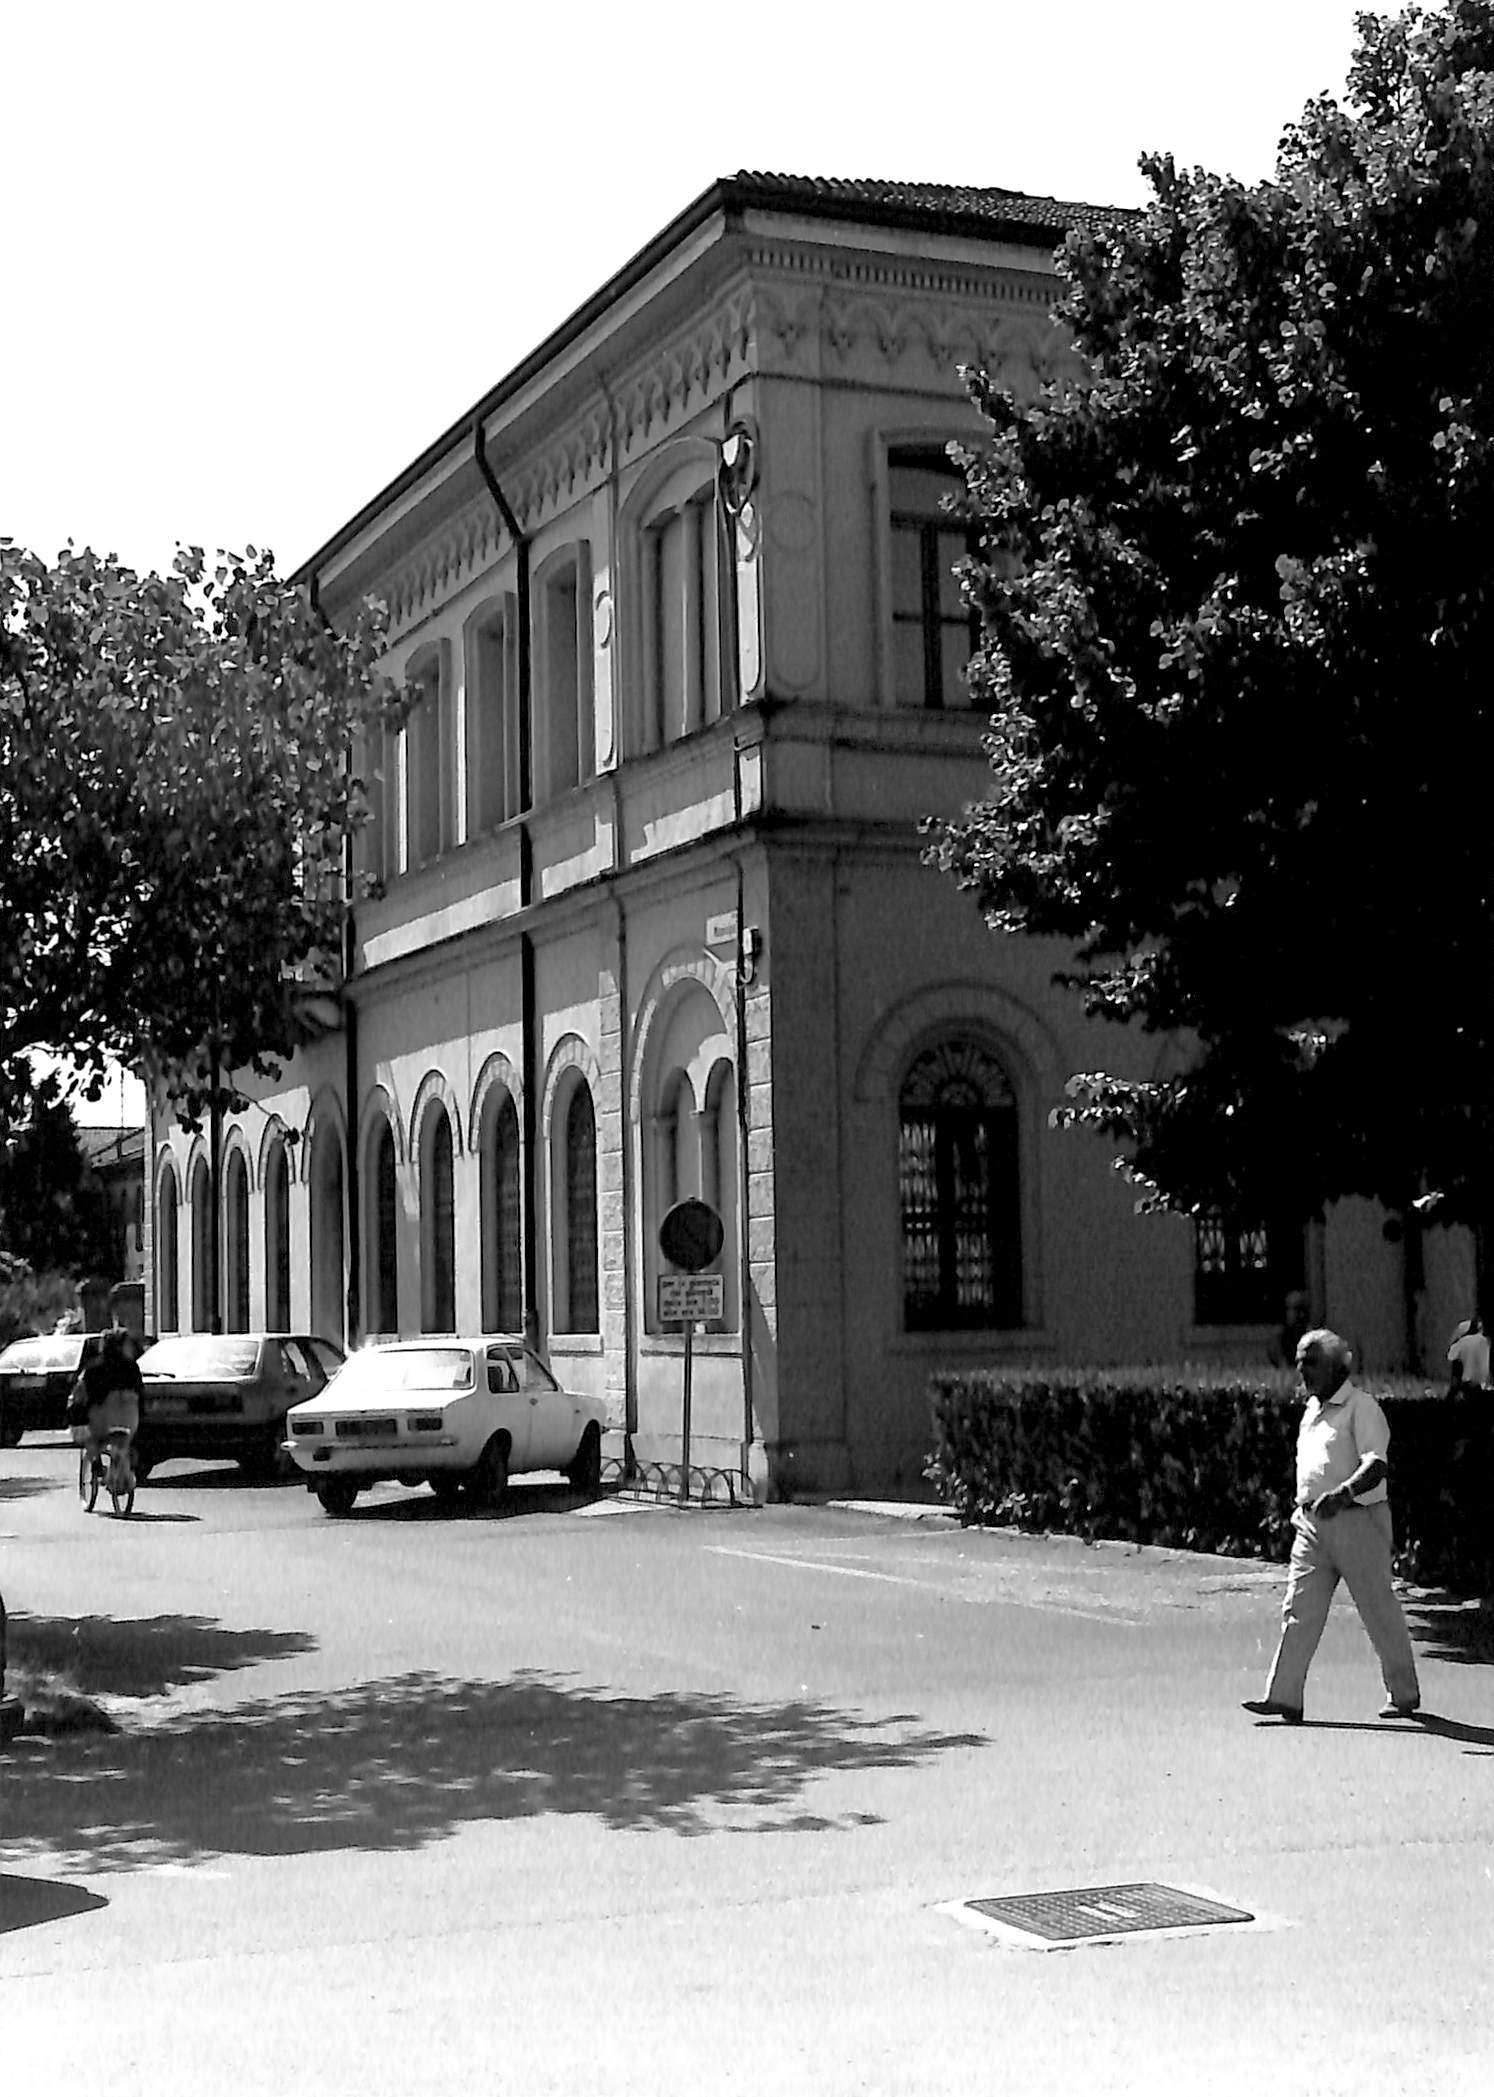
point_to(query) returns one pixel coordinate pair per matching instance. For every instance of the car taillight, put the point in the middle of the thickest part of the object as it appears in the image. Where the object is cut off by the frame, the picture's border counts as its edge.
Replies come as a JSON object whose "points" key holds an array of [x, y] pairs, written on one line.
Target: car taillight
{"points": [[424, 1423], [301, 1425]]}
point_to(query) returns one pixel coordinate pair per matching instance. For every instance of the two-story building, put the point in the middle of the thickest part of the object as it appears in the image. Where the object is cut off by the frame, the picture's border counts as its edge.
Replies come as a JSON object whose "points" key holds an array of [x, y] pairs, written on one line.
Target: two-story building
{"points": [[654, 922]]}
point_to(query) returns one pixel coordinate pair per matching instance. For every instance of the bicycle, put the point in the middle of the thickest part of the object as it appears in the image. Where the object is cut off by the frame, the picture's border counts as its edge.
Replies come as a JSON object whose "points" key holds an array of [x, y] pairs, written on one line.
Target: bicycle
{"points": [[110, 1468]]}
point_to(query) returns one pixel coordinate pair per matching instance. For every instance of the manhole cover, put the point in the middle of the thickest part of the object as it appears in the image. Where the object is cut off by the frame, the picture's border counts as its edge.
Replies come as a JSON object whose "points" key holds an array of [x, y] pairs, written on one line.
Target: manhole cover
{"points": [[1085, 1912]]}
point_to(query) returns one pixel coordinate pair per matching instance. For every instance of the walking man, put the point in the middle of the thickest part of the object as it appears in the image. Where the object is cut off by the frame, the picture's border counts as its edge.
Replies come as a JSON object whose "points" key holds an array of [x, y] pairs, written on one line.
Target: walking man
{"points": [[1342, 1525]]}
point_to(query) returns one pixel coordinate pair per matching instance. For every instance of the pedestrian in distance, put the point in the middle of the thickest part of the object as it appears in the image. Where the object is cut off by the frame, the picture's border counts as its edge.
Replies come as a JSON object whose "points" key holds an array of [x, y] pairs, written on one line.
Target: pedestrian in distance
{"points": [[1468, 1357], [1296, 1319], [1342, 1531]]}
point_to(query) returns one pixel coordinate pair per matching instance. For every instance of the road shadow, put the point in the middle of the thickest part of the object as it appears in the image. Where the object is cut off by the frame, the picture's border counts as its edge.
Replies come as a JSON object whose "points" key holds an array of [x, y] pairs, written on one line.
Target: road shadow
{"points": [[185, 1474], [26, 1902], [139, 1656], [27, 1488], [398, 1763], [1449, 1627], [522, 1498]]}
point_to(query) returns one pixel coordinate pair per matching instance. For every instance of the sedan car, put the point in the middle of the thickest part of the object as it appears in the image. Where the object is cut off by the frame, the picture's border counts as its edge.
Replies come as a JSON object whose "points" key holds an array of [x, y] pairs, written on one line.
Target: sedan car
{"points": [[451, 1413], [36, 1376], [227, 1394]]}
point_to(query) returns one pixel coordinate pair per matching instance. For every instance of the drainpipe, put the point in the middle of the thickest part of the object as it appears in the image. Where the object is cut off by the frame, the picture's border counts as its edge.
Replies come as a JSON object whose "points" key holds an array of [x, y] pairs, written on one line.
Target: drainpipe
{"points": [[353, 1297], [529, 1047], [744, 1171]]}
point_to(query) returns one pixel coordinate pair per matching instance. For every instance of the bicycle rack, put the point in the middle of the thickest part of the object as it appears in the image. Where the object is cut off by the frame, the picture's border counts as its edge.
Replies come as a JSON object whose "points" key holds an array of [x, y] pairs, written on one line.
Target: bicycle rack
{"points": [[703, 1486]]}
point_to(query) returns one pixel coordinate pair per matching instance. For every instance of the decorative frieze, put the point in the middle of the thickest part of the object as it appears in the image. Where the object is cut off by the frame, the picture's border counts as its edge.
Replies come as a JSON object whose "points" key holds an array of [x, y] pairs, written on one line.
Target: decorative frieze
{"points": [[676, 381]]}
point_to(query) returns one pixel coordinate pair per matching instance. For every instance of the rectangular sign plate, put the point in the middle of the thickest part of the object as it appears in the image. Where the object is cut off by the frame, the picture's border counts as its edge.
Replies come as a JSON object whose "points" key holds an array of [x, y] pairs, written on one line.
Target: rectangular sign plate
{"points": [[691, 1298]]}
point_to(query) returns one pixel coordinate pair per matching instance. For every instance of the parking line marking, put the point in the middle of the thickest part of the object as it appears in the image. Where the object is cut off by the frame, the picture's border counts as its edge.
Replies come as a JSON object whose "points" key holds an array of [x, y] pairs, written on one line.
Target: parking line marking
{"points": [[846, 1572]]}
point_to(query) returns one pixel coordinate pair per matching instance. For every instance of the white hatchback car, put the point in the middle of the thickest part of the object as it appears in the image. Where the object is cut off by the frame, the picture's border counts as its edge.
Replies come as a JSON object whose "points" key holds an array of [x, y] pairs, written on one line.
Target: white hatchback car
{"points": [[450, 1413]]}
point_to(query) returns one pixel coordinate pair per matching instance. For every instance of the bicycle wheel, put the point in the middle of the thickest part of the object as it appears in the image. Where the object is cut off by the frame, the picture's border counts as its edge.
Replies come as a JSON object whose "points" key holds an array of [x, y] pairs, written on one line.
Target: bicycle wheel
{"points": [[88, 1480]]}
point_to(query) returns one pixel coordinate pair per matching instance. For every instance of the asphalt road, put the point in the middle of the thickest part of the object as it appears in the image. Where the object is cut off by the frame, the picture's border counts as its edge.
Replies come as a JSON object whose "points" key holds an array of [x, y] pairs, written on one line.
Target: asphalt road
{"points": [[623, 1798]]}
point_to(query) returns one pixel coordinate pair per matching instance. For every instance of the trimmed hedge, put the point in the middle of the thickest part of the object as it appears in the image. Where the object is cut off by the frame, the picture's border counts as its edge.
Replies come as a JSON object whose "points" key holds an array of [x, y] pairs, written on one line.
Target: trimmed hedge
{"points": [[1202, 1459]]}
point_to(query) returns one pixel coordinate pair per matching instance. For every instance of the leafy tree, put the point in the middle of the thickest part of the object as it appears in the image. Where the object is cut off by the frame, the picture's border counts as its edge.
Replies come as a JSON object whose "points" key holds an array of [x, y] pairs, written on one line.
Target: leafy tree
{"points": [[175, 792], [53, 1215], [1238, 628]]}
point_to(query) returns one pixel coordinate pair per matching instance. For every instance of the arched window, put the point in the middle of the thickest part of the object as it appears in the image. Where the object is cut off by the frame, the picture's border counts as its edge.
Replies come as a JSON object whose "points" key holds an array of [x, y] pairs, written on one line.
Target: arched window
{"points": [[958, 1178], [502, 1246], [580, 1304], [236, 1206], [690, 1147], [565, 723], [202, 1247], [168, 1313], [277, 1238], [328, 1281], [677, 1144], [682, 609], [494, 791], [437, 1224], [385, 1234], [430, 761], [718, 1179]]}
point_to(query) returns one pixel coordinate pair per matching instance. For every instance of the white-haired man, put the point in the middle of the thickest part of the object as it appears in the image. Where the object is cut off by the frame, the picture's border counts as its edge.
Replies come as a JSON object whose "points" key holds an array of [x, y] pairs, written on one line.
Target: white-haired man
{"points": [[1342, 1525]]}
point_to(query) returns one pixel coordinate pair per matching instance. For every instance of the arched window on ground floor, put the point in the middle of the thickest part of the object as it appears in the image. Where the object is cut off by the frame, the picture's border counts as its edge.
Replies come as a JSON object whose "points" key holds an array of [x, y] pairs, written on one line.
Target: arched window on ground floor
{"points": [[959, 1189]]}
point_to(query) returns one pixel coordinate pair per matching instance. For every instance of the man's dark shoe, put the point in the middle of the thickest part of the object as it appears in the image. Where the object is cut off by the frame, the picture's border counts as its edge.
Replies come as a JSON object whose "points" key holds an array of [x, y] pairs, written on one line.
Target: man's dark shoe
{"points": [[1264, 1708], [1394, 1710]]}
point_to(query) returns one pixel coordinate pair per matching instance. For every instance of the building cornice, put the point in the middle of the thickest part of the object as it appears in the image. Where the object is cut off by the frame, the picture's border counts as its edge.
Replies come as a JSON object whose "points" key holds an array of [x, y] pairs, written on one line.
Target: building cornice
{"points": [[840, 216]]}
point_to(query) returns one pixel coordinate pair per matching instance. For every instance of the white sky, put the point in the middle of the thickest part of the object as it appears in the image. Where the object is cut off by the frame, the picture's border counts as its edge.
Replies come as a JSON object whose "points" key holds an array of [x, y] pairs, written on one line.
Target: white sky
{"points": [[260, 256]]}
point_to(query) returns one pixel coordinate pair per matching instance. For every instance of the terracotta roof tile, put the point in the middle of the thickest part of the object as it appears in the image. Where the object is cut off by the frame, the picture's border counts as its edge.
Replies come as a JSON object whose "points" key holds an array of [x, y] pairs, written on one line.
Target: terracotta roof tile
{"points": [[1010, 210]]}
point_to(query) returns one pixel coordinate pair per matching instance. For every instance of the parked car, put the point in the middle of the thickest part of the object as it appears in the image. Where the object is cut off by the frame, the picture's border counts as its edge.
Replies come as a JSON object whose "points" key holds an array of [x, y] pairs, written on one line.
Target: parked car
{"points": [[227, 1394], [36, 1376], [448, 1413]]}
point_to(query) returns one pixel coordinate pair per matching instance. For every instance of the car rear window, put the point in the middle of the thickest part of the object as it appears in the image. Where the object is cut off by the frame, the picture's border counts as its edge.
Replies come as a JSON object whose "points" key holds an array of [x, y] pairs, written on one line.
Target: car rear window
{"points": [[202, 1357], [46, 1352], [405, 1369]]}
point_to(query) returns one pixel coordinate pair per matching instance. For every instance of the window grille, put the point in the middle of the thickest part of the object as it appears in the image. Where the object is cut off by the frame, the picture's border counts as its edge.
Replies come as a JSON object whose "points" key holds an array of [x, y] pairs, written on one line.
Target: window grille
{"points": [[959, 1190], [1244, 1272]]}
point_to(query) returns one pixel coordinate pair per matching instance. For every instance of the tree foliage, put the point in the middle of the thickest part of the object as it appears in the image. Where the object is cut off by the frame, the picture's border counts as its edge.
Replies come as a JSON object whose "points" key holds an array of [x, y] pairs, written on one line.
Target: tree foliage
{"points": [[1238, 630], [175, 792], [53, 1214]]}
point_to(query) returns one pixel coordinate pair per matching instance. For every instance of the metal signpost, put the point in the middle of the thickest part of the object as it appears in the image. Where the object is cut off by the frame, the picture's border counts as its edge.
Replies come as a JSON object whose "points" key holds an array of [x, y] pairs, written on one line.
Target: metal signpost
{"points": [[690, 1237]]}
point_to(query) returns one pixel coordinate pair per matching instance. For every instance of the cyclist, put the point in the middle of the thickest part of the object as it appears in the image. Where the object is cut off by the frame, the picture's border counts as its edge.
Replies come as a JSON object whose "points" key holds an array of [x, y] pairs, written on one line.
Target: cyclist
{"points": [[109, 1392]]}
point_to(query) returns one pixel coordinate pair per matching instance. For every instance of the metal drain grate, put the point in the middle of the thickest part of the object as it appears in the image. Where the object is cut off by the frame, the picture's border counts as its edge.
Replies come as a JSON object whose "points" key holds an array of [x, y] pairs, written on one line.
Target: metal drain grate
{"points": [[1086, 1912]]}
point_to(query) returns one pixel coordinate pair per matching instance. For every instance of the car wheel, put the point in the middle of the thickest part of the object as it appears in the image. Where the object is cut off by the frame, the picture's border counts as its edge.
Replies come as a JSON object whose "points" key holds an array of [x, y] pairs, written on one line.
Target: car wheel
{"points": [[446, 1486], [270, 1464], [487, 1481], [585, 1468], [337, 1496]]}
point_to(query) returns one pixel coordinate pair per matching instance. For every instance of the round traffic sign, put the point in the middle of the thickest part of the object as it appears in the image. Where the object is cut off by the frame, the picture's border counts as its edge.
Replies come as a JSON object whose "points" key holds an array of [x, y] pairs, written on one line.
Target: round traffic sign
{"points": [[691, 1235]]}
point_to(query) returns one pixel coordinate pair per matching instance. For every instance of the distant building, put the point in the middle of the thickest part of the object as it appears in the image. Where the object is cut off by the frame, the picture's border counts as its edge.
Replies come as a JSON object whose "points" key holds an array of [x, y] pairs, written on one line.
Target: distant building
{"points": [[677, 596], [116, 1161]]}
